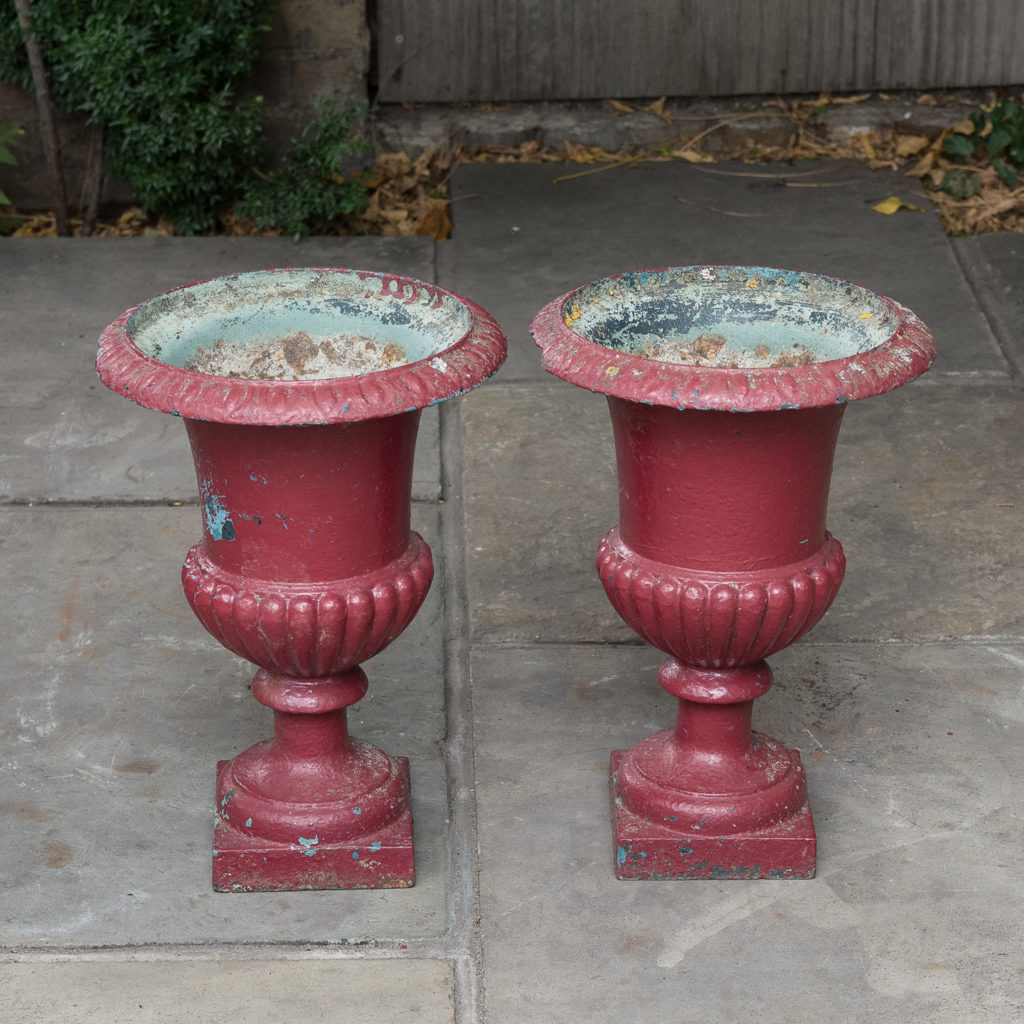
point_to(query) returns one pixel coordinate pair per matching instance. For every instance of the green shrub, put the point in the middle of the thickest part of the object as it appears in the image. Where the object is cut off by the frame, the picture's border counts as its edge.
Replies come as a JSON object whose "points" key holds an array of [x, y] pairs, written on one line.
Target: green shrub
{"points": [[166, 81], [308, 193], [998, 137]]}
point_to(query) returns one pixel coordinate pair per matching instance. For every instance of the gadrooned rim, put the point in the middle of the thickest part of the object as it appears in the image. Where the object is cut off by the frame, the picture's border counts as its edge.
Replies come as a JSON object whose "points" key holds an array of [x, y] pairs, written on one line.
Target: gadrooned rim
{"points": [[466, 363], [904, 355]]}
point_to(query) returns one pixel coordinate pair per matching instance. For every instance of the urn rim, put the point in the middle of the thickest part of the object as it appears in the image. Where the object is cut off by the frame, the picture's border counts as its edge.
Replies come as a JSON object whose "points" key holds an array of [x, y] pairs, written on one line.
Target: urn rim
{"points": [[600, 343], [457, 346]]}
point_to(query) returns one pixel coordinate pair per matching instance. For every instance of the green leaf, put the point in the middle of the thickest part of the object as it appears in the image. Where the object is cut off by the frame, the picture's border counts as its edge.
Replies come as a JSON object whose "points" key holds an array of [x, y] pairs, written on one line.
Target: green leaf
{"points": [[999, 139], [958, 145], [1005, 171], [961, 183]]}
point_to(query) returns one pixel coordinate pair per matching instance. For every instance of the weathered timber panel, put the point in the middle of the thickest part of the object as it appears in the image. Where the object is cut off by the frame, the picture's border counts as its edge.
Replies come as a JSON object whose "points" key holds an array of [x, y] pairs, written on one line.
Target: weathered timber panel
{"points": [[478, 50]]}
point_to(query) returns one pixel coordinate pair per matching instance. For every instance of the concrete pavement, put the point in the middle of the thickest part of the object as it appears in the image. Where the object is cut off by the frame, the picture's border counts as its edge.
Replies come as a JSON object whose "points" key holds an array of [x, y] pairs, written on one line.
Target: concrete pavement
{"points": [[907, 700]]}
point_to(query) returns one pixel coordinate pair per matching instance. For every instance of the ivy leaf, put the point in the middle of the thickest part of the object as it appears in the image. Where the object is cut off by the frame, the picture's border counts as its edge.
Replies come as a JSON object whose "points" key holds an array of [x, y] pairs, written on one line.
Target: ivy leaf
{"points": [[1005, 171], [961, 183], [958, 145], [999, 139]]}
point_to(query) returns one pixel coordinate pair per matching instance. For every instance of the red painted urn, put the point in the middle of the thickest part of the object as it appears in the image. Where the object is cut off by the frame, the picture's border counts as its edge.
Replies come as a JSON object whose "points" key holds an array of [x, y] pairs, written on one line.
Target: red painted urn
{"points": [[301, 391], [726, 387]]}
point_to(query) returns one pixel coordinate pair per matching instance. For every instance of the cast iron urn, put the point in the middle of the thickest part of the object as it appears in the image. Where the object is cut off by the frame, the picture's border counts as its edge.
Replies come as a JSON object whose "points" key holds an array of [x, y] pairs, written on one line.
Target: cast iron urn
{"points": [[301, 391], [726, 387]]}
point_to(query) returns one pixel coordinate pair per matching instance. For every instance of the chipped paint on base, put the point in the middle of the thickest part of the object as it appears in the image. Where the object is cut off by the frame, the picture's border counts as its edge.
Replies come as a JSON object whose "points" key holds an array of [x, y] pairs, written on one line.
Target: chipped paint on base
{"points": [[382, 860], [646, 850]]}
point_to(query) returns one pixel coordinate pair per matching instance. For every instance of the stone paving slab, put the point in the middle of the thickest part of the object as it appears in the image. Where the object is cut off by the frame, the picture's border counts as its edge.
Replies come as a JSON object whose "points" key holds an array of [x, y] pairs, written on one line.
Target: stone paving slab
{"points": [[522, 240], [915, 785], [927, 499], [358, 992], [67, 437], [994, 265], [117, 707]]}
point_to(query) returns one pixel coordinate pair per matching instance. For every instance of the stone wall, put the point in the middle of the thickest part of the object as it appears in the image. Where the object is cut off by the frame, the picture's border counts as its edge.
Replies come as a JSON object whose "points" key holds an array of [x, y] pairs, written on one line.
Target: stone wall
{"points": [[315, 49]]}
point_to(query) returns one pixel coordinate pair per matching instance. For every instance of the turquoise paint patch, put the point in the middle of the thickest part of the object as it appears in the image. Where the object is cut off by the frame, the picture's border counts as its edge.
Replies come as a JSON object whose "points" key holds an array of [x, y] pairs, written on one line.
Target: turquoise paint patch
{"points": [[248, 822], [215, 514], [309, 844], [620, 855], [375, 846], [355, 855]]}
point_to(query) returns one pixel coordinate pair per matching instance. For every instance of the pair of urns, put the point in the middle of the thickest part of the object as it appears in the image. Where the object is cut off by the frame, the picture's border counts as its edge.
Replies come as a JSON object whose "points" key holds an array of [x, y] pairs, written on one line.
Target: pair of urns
{"points": [[301, 391]]}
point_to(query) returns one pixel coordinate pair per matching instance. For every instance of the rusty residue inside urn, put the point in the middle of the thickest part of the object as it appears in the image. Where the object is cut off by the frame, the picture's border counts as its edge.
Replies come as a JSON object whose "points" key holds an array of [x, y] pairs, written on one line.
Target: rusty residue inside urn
{"points": [[297, 356]]}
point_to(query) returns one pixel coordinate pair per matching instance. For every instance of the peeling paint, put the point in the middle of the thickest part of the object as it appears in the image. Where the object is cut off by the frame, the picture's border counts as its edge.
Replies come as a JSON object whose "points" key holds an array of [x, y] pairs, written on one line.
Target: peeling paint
{"points": [[215, 514]]}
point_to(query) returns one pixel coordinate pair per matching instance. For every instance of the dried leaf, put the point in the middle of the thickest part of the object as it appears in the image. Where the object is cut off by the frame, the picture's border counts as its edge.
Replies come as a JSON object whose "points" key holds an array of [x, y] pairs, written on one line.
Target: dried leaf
{"points": [[41, 225], [892, 204], [621, 108], [691, 156], [866, 142], [859, 98], [435, 223], [657, 108], [923, 166], [392, 165], [911, 145], [131, 218]]}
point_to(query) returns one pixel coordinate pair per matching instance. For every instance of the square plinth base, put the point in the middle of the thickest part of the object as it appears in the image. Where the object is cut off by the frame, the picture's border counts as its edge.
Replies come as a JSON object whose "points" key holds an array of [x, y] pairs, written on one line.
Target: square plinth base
{"points": [[645, 849], [379, 860]]}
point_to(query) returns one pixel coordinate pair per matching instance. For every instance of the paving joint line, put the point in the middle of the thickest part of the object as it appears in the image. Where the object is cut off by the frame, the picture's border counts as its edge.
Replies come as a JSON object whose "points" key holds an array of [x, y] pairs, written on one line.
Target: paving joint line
{"points": [[1000, 330], [90, 503], [415, 949], [463, 932], [80, 503], [972, 639]]}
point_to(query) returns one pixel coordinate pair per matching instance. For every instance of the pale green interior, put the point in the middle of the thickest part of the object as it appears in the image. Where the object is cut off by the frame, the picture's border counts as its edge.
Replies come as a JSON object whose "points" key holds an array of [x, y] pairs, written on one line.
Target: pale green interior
{"points": [[249, 310]]}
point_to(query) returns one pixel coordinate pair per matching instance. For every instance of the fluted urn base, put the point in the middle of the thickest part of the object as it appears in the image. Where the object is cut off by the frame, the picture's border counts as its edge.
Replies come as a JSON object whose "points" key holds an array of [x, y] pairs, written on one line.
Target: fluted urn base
{"points": [[711, 798]]}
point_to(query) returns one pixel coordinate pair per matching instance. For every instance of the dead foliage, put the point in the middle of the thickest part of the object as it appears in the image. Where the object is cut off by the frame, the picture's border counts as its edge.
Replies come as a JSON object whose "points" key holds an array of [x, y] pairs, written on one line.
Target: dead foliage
{"points": [[409, 196], [405, 192]]}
